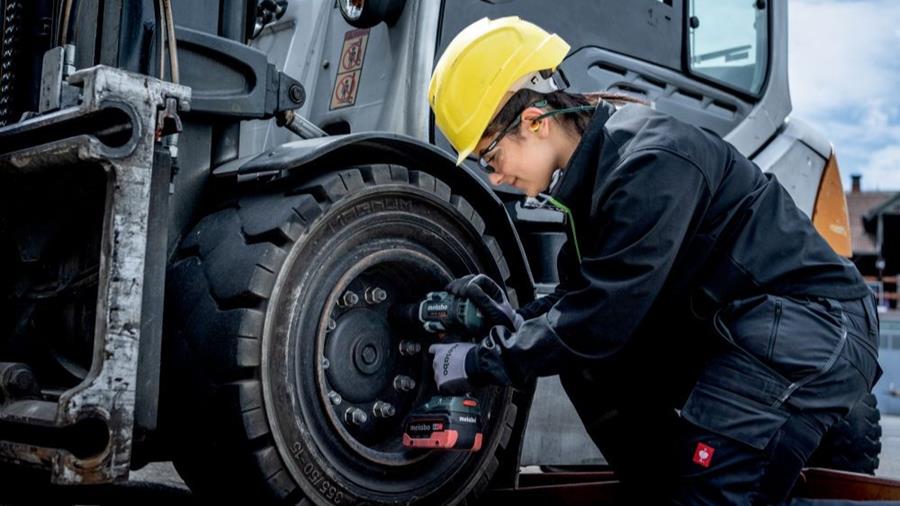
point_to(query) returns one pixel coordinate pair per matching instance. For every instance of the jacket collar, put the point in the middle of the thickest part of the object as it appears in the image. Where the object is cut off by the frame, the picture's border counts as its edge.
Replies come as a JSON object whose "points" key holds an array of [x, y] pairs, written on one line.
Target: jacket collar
{"points": [[573, 185]]}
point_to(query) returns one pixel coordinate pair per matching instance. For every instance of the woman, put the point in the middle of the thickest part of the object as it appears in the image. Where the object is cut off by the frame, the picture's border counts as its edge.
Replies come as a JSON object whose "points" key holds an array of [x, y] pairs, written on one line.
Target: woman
{"points": [[706, 334]]}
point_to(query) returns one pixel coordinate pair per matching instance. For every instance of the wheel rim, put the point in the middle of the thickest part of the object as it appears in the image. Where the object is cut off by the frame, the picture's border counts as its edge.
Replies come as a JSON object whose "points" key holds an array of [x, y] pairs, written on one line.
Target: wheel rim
{"points": [[362, 368]]}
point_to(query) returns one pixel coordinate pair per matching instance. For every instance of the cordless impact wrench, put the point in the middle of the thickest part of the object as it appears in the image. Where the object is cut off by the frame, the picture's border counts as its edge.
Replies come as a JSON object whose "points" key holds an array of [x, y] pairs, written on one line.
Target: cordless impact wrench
{"points": [[445, 422]]}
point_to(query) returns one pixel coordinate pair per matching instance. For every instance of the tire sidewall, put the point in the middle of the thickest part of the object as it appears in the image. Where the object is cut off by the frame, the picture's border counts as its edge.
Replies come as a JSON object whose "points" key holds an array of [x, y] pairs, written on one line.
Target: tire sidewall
{"points": [[294, 319]]}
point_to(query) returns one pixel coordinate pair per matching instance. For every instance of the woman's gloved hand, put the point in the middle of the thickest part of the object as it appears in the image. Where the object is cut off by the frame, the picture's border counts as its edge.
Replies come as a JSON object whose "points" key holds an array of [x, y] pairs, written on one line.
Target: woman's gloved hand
{"points": [[489, 297], [449, 366], [504, 357]]}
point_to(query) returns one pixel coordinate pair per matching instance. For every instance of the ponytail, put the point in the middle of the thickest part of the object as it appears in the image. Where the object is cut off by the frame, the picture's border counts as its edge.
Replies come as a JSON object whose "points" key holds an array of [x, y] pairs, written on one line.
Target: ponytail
{"points": [[578, 121]]}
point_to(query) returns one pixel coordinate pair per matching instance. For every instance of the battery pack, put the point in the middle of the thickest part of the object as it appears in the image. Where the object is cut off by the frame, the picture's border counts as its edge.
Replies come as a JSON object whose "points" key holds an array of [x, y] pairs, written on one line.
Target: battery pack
{"points": [[446, 423]]}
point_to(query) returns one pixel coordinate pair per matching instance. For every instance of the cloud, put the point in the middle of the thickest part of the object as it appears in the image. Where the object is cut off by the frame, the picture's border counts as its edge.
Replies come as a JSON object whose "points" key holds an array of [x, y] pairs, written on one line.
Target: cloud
{"points": [[845, 76], [883, 169]]}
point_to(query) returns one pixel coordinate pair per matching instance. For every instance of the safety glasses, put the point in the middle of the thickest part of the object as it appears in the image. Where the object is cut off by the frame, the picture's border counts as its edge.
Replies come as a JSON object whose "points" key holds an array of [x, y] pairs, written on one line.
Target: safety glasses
{"points": [[483, 156]]}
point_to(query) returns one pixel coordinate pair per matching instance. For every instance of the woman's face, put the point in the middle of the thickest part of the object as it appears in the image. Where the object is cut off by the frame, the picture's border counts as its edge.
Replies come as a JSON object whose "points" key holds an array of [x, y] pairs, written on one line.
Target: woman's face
{"points": [[525, 157]]}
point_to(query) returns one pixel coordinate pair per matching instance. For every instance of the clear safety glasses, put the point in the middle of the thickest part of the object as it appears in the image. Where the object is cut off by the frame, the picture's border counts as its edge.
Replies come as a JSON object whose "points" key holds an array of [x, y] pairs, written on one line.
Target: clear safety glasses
{"points": [[484, 157]]}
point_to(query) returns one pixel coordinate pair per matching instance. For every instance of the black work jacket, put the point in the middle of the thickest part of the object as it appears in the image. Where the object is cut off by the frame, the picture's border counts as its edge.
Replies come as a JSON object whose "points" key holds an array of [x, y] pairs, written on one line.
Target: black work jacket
{"points": [[670, 221]]}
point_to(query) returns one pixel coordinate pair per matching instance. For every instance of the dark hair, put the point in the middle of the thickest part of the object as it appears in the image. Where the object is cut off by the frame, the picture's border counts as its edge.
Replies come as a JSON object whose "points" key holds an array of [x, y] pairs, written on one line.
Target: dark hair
{"points": [[577, 121]]}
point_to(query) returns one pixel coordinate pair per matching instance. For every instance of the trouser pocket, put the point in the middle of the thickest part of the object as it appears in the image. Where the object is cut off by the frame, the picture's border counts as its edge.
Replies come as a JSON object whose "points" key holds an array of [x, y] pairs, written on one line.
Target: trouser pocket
{"points": [[733, 415], [796, 337]]}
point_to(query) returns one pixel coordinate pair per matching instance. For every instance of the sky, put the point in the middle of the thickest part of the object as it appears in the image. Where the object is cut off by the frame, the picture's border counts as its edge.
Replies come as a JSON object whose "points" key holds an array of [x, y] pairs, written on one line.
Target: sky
{"points": [[844, 59]]}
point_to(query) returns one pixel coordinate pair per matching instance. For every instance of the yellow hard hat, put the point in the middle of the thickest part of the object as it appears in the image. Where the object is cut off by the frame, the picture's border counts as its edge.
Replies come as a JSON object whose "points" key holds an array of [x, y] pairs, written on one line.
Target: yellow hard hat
{"points": [[481, 68]]}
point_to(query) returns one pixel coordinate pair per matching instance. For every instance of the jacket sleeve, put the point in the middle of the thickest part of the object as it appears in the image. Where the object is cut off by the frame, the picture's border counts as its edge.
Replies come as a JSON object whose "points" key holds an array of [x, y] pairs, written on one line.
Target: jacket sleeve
{"points": [[646, 208], [540, 306]]}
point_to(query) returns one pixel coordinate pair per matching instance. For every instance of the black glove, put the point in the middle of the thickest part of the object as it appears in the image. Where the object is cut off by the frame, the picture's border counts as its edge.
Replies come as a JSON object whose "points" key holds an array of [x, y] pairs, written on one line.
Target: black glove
{"points": [[489, 297]]}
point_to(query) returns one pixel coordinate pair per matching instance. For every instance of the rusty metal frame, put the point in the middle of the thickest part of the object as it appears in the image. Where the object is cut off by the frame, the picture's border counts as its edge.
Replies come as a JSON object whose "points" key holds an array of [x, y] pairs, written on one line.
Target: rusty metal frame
{"points": [[817, 483], [602, 487], [108, 392]]}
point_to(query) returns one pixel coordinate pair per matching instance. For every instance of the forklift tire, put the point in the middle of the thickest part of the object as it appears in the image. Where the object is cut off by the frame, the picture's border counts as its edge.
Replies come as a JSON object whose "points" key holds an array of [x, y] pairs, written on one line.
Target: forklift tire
{"points": [[280, 342], [854, 443]]}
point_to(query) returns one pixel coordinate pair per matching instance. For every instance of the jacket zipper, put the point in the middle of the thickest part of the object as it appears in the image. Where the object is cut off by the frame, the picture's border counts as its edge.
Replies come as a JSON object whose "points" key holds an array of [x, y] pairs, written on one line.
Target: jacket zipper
{"points": [[775, 325]]}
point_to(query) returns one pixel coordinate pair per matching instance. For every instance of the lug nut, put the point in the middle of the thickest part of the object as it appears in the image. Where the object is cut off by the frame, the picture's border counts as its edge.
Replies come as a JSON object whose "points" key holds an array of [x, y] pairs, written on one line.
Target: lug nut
{"points": [[331, 324], [335, 398], [350, 298], [355, 416], [383, 410], [375, 295], [408, 348], [404, 383]]}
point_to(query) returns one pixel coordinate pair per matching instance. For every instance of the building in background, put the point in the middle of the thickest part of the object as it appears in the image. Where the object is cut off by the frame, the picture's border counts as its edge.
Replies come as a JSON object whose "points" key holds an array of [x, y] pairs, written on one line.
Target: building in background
{"points": [[875, 230]]}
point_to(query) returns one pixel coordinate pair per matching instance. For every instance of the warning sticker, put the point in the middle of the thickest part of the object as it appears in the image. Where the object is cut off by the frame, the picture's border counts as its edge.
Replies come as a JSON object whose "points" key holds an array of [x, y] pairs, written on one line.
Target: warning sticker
{"points": [[346, 84]]}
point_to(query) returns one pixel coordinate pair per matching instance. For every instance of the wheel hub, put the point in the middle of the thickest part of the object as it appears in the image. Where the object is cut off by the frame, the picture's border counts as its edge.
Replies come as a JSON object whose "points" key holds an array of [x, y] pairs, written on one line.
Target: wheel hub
{"points": [[373, 364], [361, 355]]}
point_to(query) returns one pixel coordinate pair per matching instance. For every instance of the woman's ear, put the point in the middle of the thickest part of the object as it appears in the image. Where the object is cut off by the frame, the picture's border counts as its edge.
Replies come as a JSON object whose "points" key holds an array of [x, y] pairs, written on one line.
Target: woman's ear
{"points": [[532, 118]]}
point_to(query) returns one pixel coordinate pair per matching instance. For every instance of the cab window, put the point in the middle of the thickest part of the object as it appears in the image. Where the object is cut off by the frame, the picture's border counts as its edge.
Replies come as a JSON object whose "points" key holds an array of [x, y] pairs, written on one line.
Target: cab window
{"points": [[728, 42]]}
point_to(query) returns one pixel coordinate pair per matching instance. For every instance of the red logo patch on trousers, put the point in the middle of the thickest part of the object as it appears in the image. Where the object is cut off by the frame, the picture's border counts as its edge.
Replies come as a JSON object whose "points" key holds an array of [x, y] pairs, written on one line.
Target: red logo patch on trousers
{"points": [[703, 454]]}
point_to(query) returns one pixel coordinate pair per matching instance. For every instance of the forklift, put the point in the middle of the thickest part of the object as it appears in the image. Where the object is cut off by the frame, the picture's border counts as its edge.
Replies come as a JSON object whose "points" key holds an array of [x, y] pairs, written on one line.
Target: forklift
{"points": [[210, 207]]}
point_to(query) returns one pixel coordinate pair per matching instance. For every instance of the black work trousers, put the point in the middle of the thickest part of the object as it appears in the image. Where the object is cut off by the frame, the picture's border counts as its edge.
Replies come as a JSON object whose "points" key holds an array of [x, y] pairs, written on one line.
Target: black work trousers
{"points": [[784, 370]]}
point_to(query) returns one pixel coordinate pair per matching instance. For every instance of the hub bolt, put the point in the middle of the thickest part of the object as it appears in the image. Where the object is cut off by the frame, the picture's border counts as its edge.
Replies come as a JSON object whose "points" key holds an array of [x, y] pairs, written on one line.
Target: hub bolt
{"points": [[335, 398], [383, 410], [375, 295], [408, 348], [355, 416], [404, 383], [349, 299]]}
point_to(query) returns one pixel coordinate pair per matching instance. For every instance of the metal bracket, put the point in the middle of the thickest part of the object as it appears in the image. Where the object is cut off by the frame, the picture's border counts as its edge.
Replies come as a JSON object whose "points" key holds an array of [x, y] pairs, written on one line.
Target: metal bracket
{"points": [[167, 120], [245, 85]]}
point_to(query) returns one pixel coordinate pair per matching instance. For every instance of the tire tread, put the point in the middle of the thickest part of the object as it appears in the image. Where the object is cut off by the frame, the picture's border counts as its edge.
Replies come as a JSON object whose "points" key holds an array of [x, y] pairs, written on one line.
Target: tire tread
{"points": [[220, 285]]}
